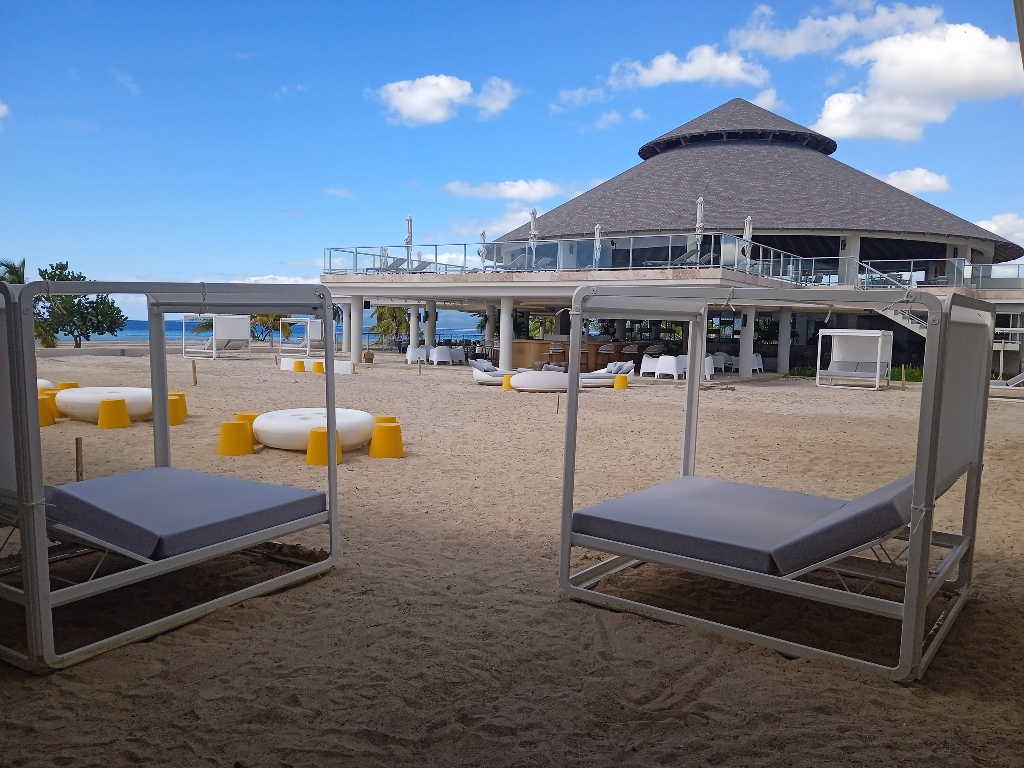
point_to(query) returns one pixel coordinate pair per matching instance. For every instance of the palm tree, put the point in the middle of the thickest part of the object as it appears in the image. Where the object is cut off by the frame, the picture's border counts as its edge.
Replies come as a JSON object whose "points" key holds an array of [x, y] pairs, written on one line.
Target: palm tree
{"points": [[12, 271], [390, 322]]}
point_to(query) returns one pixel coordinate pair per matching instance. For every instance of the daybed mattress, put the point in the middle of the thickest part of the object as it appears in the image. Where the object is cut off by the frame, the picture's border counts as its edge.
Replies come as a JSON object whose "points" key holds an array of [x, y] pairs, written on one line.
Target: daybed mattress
{"points": [[746, 526], [160, 512]]}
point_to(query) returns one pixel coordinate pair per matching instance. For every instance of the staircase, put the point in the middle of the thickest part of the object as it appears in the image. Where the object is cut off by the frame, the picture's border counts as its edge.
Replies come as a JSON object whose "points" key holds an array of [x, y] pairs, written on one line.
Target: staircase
{"points": [[870, 278]]}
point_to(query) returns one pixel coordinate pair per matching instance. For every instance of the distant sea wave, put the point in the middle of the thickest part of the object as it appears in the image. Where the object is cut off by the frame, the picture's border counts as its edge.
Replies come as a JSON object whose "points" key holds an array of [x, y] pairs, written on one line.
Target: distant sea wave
{"points": [[138, 330]]}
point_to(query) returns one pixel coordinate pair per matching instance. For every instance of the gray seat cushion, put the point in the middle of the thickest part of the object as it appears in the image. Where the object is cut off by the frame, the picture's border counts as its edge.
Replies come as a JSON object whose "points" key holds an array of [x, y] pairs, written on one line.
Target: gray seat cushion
{"points": [[160, 512], [745, 526]]}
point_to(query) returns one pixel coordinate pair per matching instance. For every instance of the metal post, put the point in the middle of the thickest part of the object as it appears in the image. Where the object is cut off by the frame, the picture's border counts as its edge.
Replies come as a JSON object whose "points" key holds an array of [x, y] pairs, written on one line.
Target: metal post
{"points": [[571, 416], [158, 387], [694, 377]]}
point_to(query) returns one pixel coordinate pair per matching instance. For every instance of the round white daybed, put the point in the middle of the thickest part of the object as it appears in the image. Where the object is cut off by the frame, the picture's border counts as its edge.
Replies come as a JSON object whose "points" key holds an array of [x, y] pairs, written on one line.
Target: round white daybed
{"points": [[83, 403], [44, 384], [289, 428]]}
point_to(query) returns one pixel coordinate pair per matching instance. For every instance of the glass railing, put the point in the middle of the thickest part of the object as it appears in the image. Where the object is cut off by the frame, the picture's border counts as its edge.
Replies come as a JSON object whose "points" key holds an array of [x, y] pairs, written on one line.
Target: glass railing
{"points": [[995, 276], [914, 273], [714, 250]]}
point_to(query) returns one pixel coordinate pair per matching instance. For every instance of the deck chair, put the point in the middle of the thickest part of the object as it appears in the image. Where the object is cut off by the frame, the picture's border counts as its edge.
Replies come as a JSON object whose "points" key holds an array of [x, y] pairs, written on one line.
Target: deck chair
{"points": [[774, 539], [142, 524]]}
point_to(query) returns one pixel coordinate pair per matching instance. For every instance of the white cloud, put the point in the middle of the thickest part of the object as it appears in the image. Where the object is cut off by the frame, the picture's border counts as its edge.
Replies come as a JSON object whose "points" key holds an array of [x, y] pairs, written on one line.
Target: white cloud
{"points": [[577, 97], [127, 82], [520, 189], [288, 90], [428, 99], [4, 110], [276, 279], [914, 180], [608, 119], [703, 63], [638, 114], [515, 214], [436, 98], [816, 34], [338, 192], [495, 97], [1009, 225], [919, 78], [768, 99]]}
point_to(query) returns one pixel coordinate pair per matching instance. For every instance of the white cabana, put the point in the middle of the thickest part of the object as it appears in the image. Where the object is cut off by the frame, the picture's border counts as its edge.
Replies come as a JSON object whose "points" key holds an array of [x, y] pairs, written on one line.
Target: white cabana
{"points": [[858, 358], [311, 340], [144, 523], [230, 336], [770, 539]]}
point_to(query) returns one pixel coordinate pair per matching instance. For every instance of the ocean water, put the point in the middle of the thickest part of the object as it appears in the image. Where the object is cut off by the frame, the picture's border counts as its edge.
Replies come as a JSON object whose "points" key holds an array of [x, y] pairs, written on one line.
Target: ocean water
{"points": [[138, 330]]}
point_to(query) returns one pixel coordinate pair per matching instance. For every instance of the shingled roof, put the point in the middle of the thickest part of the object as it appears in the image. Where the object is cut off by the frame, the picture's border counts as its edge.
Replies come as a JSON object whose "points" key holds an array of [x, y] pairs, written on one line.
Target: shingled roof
{"points": [[747, 161]]}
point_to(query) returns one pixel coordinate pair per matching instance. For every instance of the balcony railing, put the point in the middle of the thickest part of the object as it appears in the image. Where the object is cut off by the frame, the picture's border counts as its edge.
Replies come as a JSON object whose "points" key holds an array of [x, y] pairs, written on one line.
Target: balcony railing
{"points": [[714, 250]]}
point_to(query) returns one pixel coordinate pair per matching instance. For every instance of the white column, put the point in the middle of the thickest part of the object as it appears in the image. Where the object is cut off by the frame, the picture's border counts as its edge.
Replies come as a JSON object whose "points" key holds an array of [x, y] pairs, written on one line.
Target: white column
{"points": [[785, 337], [506, 332], [431, 323], [489, 325], [849, 267], [414, 326], [356, 335], [346, 323], [747, 342], [620, 330]]}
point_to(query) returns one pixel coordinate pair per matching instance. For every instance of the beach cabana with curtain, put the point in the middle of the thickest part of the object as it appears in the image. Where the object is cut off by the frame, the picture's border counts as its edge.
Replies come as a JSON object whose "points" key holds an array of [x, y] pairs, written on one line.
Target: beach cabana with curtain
{"points": [[858, 358]]}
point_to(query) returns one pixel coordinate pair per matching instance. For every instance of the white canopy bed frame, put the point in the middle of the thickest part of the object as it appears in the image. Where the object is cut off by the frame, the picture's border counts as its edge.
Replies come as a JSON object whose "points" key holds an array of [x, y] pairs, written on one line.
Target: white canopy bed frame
{"points": [[230, 336], [858, 359], [160, 519], [677, 523]]}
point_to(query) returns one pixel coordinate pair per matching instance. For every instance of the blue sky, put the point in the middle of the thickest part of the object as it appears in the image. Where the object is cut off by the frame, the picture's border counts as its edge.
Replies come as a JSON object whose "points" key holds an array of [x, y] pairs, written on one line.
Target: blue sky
{"points": [[230, 141]]}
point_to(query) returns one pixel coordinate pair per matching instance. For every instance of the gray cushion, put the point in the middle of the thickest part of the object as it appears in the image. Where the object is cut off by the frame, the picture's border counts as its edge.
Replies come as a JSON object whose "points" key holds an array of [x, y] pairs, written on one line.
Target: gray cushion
{"points": [[602, 374], [837, 366], [160, 512], [745, 526]]}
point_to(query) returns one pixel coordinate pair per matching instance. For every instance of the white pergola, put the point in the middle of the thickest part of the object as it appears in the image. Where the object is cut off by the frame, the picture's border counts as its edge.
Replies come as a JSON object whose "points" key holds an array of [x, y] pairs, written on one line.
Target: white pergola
{"points": [[858, 358], [231, 336], [950, 446], [24, 506]]}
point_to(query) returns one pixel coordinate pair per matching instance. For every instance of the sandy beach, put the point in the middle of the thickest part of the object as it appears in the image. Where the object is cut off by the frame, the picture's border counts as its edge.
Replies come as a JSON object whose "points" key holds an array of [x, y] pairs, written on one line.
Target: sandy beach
{"points": [[442, 638]]}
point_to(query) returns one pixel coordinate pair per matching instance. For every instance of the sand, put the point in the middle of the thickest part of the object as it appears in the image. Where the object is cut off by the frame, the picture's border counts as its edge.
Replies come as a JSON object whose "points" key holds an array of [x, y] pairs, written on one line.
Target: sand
{"points": [[442, 639]]}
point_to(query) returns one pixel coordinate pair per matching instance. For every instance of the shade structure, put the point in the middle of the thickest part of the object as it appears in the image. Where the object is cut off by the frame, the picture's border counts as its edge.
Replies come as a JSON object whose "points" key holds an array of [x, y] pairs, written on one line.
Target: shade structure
{"points": [[25, 504], [747, 161], [828, 533], [857, 358]]}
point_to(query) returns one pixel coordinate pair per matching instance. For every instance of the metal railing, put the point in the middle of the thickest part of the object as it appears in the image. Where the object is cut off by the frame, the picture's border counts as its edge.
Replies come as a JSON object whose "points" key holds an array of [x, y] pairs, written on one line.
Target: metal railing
{"points": [[932, 273], [869, 278], [675, 251]]}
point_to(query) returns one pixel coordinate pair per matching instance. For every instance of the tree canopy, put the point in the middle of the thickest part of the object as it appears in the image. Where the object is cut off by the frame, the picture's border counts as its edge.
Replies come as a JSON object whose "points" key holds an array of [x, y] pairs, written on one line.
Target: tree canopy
{"points": [[76, 316]]}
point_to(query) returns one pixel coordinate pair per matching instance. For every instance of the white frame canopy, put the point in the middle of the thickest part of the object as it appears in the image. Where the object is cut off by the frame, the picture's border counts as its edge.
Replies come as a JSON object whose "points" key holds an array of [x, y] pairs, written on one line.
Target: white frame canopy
{"points": [[22, 491], [950, 445], [876, 358], [314, 333], [224, 328]]}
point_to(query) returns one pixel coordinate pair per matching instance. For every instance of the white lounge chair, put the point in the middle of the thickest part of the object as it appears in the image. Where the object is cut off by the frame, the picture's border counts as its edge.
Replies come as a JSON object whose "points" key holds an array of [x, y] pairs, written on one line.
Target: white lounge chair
{"points": [[440, 355], [415, 355], [757, 364], [484, 372], [649, 365], [668, 365]]}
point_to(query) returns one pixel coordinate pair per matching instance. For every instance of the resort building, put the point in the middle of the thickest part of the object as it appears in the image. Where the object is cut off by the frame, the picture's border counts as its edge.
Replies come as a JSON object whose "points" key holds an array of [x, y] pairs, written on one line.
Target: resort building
{"points": [[738, 196]]}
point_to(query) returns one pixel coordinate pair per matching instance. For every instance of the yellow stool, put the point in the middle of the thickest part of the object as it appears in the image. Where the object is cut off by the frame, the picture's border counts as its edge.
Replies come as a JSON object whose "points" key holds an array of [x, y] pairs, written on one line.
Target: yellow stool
{"points": [[506, 381], [380, 419], [234, 439], [248, 417], [50, 393], [298, 366], [184, 399], [176, 413], [113, 414], [316, 447], [318, 366], [46, 415], [67, 385], [386, 442], [621, 381]]}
